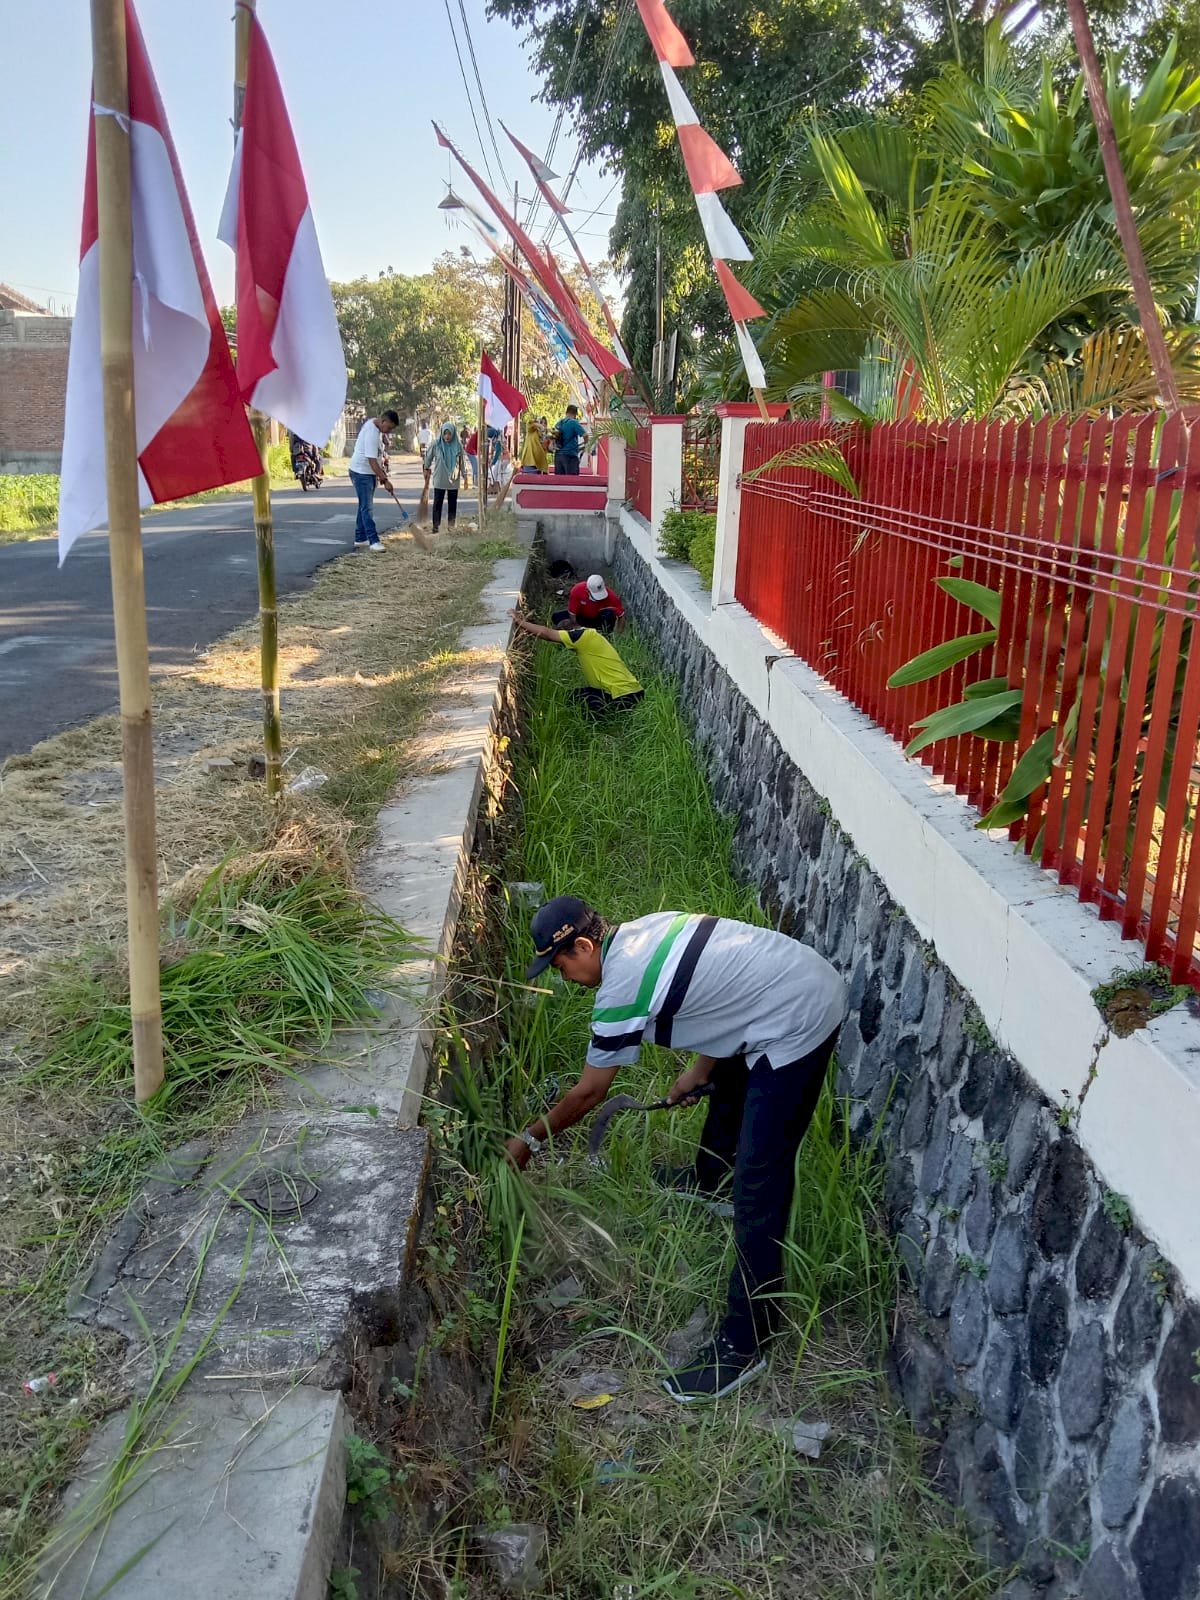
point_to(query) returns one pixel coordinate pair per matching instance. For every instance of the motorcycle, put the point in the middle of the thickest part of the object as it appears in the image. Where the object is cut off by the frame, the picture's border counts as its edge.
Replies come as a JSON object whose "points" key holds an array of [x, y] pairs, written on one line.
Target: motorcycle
{"points": [[308, 472]]}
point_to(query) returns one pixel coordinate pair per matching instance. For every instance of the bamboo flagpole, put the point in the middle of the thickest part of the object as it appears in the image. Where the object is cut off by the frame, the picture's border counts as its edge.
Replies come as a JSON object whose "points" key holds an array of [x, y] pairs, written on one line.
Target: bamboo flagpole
{"points": [[114, 205], [264, 526]]}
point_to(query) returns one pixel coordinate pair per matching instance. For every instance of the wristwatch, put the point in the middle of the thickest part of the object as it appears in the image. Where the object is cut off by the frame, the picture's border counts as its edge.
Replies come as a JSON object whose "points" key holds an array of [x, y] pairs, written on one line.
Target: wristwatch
{"points": [[527, 1138]]}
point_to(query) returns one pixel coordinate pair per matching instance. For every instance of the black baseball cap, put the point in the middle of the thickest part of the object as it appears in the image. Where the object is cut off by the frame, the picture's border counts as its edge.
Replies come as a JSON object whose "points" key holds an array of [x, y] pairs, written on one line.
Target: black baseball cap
{"points": [[556, 926]]}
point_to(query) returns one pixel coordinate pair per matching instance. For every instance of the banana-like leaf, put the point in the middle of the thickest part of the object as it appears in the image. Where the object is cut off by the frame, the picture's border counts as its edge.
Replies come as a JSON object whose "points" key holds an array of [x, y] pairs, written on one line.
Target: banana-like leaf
{"points": [[1030, 772], [976, 595], [975, 691], [943, 656], [968, 716]]}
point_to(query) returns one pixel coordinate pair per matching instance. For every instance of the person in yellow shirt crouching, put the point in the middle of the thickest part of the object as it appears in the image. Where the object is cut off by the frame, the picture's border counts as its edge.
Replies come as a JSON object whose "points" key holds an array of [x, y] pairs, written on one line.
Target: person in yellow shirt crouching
{"points": [[609, 685]]}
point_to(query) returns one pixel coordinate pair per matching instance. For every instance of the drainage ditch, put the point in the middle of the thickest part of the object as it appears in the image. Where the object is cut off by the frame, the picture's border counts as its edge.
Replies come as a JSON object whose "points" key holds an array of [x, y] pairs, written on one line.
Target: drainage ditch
{"points": [[517, 1438]]}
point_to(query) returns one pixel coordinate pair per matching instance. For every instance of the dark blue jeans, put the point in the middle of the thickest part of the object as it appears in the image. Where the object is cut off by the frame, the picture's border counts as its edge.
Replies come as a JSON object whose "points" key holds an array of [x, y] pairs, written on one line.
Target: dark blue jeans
{"points": [[365, 531], [566, 465], [755, 1124]]}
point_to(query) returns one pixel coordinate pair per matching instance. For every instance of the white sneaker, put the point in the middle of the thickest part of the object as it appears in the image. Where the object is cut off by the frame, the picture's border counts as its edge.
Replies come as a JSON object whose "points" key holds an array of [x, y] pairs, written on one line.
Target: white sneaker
{"points": [[375, 547]]}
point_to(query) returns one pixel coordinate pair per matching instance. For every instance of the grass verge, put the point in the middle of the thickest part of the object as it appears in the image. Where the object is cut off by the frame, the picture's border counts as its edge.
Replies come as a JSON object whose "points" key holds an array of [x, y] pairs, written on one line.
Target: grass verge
{"points": [[272, 946], [640, 1497], [29, 501]]}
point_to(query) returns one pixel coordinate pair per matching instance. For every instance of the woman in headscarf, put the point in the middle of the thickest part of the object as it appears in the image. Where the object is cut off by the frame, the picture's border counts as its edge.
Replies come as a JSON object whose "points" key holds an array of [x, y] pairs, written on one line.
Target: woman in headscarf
{"points": [[533, 456], [446, 464]]}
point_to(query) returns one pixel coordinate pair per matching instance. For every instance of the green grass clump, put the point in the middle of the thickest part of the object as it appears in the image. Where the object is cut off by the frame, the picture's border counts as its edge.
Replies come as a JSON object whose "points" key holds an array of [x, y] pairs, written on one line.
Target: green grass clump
{"points": [[263, 963], [28, 501], [643, 1498]]}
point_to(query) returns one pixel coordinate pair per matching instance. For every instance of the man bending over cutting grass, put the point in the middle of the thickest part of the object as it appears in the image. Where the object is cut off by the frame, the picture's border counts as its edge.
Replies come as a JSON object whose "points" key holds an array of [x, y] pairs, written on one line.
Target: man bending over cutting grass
{"points": [[609, 685], [764, 1011]]}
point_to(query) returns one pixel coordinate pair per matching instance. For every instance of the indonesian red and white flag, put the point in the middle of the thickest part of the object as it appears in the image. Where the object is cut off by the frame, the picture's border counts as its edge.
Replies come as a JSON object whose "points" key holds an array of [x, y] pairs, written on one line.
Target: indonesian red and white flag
{"points": [[501, 402], [290, 363], [192, 432]]}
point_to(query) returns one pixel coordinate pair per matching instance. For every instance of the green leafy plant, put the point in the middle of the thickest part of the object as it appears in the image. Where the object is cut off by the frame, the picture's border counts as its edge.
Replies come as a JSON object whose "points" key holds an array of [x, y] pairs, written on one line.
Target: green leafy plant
{"points": [[690, 536], [995, 1161], [368, 1479], [973, 1265], [343, 1584]]}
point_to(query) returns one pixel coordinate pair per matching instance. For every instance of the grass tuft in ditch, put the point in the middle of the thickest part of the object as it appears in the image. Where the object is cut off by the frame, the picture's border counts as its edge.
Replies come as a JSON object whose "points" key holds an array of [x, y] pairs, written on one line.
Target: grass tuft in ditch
{"points": [[641, 1497], [263, 957]]}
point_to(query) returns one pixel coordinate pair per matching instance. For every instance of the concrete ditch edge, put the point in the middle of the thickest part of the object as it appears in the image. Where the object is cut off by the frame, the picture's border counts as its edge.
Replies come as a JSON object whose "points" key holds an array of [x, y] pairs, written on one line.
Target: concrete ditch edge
{"points": [[242, 1489]]}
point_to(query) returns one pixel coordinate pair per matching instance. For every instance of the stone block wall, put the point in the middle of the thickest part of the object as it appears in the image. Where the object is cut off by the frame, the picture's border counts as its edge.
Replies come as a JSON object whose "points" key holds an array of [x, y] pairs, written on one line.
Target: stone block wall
{"points": [[1042, 1343]]}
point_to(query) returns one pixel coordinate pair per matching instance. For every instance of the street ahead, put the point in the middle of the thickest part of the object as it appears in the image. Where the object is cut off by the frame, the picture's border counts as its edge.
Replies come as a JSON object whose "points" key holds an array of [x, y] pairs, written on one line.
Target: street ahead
{"points": [[58, 664]]}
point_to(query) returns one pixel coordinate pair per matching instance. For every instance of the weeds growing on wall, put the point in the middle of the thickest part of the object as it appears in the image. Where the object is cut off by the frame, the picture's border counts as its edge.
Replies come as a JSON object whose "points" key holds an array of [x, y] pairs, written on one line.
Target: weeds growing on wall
{"points": [[641, 1497]]}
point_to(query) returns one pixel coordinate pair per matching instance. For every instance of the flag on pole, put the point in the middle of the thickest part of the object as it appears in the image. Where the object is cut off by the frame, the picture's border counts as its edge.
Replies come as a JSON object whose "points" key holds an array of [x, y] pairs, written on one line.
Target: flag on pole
{"points": [[192, 432], [502, 403], [289, 351], [545, 274], [542, 176]]}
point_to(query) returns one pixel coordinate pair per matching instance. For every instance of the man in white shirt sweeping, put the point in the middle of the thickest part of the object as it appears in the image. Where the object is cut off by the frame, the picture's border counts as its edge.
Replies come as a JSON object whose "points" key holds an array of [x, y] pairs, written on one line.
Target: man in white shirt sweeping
{"points": [[367, 470], [764, 1011]]}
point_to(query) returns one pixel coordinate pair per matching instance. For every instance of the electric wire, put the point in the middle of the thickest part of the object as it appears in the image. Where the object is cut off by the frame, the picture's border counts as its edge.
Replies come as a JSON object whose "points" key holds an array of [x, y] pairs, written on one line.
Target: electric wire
{"points": [[462, 10], [467, 91]]}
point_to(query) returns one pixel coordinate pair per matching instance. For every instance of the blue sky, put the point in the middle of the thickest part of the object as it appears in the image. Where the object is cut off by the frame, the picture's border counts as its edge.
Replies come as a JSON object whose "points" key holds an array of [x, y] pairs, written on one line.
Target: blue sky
{"points": [[362, 81]]}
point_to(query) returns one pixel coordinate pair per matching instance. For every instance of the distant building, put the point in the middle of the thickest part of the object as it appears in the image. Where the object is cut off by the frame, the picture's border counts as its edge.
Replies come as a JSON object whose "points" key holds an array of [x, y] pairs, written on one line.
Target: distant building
{"points": [[33, 384]]}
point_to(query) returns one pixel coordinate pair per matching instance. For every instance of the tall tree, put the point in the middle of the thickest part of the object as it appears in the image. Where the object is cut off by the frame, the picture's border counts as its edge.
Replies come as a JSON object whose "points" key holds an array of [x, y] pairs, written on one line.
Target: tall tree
{"points": [[759, 67], [406, 338]]}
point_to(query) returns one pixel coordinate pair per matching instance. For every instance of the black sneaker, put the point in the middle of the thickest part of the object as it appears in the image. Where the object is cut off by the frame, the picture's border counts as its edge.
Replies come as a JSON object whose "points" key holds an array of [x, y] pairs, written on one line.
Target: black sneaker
{"points": [[683, 1182], [718, 1370]]}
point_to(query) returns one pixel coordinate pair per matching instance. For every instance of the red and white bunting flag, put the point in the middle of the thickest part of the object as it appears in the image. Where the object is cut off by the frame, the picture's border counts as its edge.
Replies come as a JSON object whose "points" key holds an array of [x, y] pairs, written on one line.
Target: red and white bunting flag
{"points": [[545, 274], [501, 402], [542, 176], [742, 304], [709, 170], [192, 432], [669, 44], [289, 351], [751, 359]]}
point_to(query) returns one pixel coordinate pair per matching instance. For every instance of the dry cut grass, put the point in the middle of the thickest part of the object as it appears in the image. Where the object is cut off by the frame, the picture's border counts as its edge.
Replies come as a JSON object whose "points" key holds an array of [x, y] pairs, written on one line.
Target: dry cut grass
{"points": [[364, 654]]}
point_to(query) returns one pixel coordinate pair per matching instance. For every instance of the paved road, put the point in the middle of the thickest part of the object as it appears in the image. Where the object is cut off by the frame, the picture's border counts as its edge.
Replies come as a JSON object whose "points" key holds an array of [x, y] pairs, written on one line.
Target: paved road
{"points": [[58, 663]]}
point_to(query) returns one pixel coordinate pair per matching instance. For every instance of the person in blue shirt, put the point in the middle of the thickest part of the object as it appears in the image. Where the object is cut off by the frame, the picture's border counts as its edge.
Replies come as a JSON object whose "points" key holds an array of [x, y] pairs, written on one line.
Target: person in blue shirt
{"points": [[571, 438]]}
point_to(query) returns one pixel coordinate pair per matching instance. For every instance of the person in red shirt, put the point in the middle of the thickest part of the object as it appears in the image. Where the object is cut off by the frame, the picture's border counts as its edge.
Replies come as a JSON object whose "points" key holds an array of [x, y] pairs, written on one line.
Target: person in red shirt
{"points": [[592, 604], [471, 446]]}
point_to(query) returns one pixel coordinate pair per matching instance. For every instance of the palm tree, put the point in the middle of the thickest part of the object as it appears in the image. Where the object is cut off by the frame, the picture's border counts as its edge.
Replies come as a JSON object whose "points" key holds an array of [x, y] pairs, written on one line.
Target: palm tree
{"points": [[961, 263]]}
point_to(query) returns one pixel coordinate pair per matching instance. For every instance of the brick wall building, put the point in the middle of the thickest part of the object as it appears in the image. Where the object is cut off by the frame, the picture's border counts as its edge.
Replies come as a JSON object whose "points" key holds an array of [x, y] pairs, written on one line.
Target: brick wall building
{"points": [[33, 384]]}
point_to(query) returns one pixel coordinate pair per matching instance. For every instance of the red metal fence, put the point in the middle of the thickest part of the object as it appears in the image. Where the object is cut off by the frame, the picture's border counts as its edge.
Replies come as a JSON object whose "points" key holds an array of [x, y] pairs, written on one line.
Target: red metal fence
{"points": [[701, 462], [637, 472], [1087, 533]]}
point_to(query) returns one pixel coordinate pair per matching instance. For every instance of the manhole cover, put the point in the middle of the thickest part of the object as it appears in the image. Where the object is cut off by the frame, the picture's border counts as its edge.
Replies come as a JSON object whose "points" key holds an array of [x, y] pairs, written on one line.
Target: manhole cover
{"points": [[277, 1192]]}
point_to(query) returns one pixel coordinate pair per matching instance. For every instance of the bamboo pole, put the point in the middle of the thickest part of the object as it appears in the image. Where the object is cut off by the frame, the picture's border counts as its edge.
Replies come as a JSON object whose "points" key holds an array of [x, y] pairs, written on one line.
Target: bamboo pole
{"points": [[114, 204], [264, 526], [1143, 293]]}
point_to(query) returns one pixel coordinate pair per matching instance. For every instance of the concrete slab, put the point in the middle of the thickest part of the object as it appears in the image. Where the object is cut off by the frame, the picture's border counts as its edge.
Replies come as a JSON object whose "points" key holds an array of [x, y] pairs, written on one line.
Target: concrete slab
{"points": [[286, 1252], [243, 1497]]}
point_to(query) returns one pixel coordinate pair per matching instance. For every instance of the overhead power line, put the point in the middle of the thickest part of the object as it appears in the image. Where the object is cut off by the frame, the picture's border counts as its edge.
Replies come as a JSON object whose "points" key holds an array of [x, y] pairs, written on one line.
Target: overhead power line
{"points": [[467, 91], [462, 11]]}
